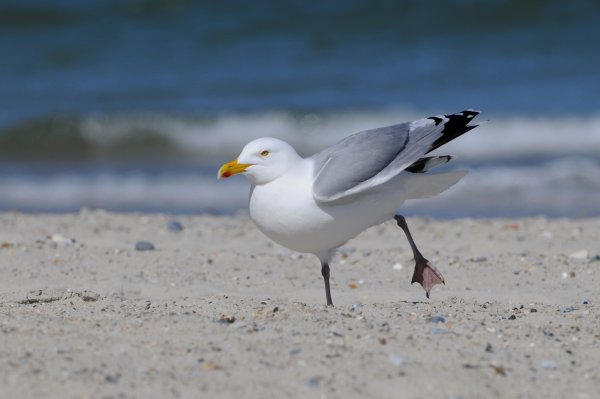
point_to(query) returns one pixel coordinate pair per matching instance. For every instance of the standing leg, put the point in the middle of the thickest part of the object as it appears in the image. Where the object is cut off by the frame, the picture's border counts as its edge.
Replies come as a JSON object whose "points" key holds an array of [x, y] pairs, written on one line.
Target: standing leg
{"points": [[425, 273], [325, 273]]}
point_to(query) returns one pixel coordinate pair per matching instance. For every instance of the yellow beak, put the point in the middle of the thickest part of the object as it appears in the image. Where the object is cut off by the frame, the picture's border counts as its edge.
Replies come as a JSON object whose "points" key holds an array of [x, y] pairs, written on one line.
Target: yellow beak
{"points": [[232, 168]]}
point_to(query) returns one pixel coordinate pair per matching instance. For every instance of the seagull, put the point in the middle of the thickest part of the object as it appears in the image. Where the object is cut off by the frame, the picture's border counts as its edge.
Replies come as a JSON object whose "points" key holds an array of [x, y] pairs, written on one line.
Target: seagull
{"points": [[316, 204]]}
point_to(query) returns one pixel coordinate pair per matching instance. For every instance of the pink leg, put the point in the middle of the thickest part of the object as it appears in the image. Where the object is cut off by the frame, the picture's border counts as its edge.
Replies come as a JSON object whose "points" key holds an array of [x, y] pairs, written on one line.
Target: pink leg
{"points": [[425, 273]]}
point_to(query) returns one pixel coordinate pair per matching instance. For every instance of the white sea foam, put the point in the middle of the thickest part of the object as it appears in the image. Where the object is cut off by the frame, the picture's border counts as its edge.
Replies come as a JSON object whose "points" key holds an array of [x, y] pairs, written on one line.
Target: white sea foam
{"points": [[167, 192], [216, 137], [517, 165], [564, 187]]}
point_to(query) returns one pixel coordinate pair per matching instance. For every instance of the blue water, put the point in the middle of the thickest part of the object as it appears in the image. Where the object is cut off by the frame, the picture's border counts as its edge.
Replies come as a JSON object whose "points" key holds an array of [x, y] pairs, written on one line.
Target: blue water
{"points": [[100, 91]]}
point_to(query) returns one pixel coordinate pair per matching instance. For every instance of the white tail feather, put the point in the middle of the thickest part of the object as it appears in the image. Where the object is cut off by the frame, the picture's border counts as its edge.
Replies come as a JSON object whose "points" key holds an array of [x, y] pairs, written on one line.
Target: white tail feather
{"points": [[428, 185]]}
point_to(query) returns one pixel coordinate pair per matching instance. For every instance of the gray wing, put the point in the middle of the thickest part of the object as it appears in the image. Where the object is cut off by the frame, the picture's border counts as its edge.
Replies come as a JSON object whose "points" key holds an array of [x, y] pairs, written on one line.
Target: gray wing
{"points": [[372, 157]]}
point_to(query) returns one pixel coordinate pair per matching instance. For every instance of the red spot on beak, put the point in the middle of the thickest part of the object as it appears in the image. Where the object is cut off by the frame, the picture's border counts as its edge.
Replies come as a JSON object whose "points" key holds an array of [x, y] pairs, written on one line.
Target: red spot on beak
{"points": [[231, 168]]}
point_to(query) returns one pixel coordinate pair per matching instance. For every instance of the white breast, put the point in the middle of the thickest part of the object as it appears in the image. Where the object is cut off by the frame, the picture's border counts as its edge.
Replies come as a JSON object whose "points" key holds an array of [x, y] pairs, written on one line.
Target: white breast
{"points": [[286, 211]]}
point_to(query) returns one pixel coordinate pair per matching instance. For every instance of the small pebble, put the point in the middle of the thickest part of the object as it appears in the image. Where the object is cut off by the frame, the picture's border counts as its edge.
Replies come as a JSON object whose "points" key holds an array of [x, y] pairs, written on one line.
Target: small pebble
{"points": [[357, 307], [569, 309], [586, 302], [397, 266], [63, 350], [89, 296], [533, 310], [435, 319], [346, 251], [548, 364], [226, 319], [396, 360], [112, 378], [210, 366], [489, 348], [581, 254], [175, 226], [314, 381], [440, 331], [61, 240], [512, 317], [498, 369], [144, 246]]}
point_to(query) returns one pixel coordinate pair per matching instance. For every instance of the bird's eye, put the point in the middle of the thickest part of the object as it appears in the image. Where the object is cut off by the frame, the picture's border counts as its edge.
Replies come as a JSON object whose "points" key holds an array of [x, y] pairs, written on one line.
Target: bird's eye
{"points": [[264, 153]]}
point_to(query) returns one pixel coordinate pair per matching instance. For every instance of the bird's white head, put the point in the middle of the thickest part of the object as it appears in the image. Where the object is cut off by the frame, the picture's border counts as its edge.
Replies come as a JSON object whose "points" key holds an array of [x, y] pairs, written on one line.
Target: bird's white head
{"points": [[262, 161]]}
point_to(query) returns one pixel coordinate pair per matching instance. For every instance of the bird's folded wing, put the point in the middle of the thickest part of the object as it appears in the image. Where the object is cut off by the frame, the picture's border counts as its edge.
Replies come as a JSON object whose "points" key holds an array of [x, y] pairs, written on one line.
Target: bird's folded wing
{"points": [[372, 157]]}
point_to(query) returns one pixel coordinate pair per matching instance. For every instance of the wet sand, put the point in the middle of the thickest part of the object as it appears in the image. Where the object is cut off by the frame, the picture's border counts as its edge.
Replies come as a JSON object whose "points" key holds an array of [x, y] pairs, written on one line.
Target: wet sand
{"points": [[217, 310]]}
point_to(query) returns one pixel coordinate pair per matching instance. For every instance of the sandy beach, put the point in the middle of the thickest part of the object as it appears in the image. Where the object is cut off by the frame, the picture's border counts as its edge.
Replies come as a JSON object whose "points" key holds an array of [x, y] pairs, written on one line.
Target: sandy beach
{"points": [[217, 310]]}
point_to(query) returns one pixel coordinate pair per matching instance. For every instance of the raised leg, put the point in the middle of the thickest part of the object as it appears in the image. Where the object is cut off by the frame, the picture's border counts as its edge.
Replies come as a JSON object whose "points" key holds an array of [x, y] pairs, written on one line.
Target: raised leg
{"points": [[425, 273], [325, 273]]}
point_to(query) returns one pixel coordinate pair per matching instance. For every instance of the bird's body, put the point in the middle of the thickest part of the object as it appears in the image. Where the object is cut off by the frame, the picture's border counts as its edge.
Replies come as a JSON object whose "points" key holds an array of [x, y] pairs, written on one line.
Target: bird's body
{"points": [[288, 214], [316, 204]]}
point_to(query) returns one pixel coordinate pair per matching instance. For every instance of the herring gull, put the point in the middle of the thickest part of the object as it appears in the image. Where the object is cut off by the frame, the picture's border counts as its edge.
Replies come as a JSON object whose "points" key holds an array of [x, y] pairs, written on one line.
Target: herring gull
{"points": [[316, 204]]}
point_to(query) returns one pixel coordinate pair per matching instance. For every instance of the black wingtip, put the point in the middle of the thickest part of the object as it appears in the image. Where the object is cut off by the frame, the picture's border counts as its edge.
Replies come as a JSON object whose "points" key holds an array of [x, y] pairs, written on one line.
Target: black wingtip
{"points": [[455, 125]]}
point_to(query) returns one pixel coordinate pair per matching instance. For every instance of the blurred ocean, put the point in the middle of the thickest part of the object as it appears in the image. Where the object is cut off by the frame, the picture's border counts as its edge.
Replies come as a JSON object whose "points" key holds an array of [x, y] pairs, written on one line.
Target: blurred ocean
{"points": [[134, 104]]}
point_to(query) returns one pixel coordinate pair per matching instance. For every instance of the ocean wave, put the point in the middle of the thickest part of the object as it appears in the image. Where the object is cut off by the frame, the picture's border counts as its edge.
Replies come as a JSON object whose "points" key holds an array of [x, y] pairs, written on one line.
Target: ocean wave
{"points": [[208, 139], [567, 186], [563, 187], [133, 190]]}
